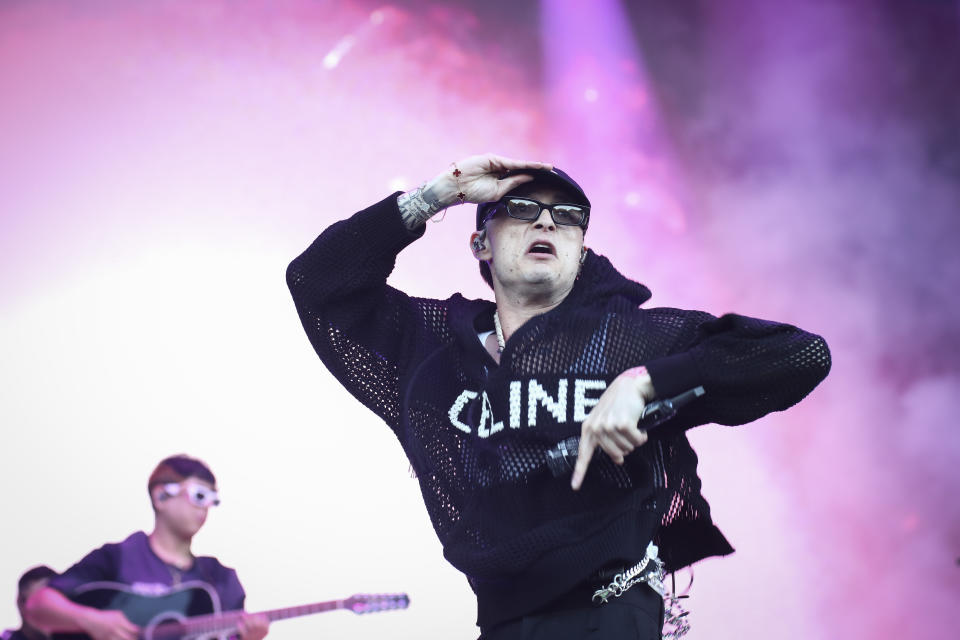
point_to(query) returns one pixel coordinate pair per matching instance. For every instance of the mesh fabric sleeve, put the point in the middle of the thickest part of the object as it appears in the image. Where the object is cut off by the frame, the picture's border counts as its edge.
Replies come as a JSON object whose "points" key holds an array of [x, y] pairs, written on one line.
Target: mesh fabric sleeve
{"points": [[361, 328], [748, 367]]}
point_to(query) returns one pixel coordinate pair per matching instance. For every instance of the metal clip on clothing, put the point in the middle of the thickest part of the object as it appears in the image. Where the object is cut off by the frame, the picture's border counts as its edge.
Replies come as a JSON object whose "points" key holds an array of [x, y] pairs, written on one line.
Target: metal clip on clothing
{"points": [[650, 571]]}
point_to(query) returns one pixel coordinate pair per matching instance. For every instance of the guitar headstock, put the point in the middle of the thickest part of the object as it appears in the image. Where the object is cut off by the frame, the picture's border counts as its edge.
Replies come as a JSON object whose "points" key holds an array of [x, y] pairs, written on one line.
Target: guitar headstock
{"points": [[371, 603]]}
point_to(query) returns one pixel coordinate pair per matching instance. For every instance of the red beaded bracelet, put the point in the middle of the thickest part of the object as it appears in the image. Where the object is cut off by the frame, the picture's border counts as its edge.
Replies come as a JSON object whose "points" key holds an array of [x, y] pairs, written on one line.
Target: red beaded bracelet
{"points": [[461, 196]]}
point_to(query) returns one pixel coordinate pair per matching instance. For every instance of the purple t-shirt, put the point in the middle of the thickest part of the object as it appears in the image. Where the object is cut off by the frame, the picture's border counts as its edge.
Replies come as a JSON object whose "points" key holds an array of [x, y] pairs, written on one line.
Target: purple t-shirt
{"points": [[133, 563]]}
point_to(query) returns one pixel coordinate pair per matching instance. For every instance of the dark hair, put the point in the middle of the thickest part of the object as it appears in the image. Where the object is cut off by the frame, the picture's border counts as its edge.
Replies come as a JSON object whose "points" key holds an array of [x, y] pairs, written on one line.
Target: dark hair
{"points": [[177, 469], [40, 572], [485, 272]]}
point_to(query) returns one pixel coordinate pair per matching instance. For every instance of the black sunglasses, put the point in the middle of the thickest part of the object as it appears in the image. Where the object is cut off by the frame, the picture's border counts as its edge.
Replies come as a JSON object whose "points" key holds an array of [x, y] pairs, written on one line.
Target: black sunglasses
{"points": [[574, 215]]}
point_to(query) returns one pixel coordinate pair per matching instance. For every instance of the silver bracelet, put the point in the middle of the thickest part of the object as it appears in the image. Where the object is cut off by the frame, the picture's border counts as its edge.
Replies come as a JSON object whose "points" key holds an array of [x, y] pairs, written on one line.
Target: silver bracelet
{"points": [[417, 206]]}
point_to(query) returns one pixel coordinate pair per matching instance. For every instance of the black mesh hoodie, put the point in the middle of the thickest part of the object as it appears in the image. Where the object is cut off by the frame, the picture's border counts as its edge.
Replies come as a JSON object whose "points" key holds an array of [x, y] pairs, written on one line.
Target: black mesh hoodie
{"points": [[476, 433]]}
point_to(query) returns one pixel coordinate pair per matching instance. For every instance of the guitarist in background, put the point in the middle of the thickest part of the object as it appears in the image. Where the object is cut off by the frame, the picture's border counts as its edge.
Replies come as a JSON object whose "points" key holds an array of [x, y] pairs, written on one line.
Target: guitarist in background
{"points": [[182, 489], [30, 582]]}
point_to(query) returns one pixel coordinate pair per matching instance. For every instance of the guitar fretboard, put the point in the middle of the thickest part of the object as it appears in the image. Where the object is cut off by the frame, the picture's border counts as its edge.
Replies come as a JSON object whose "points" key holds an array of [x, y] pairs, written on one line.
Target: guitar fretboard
{"points": [[229, 621]]}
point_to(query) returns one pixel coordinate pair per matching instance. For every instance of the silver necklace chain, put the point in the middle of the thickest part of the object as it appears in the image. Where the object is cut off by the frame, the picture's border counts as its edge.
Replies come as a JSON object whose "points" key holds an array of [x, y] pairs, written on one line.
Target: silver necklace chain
{"points": [[501, 343]]}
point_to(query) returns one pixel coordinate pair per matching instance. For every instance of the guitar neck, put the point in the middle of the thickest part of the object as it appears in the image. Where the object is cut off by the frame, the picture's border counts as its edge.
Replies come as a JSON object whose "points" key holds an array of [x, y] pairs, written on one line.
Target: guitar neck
{"points": [[304, 610], [228, 621]]}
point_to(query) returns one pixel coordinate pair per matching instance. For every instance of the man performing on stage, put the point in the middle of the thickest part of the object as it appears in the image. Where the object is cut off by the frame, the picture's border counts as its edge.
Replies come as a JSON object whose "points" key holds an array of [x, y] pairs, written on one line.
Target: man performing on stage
{"points": [[483, 396], [182, 489]]}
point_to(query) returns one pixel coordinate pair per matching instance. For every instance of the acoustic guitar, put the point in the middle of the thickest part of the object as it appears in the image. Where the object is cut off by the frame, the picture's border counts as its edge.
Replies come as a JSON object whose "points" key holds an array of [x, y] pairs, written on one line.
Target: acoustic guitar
{"points": [[191, 611]]}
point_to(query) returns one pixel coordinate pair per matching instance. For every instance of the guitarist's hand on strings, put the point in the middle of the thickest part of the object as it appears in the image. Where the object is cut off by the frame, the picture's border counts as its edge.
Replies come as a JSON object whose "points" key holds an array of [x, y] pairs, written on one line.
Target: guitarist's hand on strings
{"points": [[253, 626], [108, 625]]}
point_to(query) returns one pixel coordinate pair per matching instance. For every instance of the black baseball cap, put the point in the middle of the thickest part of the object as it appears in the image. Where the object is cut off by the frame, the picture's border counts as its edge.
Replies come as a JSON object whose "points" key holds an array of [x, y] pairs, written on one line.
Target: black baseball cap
{"points": [[555, 177]]}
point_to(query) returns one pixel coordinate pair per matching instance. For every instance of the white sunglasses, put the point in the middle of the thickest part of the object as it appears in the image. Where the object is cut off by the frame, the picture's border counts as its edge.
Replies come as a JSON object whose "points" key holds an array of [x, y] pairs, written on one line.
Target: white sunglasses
{"points": [[197, 494]]}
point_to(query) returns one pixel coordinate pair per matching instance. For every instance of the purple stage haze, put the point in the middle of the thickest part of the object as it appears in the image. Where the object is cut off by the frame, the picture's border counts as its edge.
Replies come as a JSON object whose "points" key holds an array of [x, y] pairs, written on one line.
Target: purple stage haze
{"points": [[800, 161]]}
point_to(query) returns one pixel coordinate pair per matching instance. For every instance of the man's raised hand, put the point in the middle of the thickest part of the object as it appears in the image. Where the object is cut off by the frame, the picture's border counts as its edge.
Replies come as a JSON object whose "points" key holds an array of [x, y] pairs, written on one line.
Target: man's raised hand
{"points": [[473, 179], [479, 178]]}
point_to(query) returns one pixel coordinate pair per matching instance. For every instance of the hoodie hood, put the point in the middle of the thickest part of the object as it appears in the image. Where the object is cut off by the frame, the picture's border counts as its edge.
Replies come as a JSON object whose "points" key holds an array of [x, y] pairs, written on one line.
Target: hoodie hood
{"points": [[599, 281]]}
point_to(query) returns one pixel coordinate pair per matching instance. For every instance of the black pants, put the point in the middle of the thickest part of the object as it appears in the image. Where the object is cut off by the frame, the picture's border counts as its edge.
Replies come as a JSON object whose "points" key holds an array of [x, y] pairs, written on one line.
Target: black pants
{"points": [[636, 615]]}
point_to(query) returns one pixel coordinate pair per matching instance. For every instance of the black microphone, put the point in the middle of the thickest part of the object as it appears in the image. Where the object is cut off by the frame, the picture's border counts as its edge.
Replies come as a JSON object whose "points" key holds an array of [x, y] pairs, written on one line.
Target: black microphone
{"points": [[563, 456]]}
